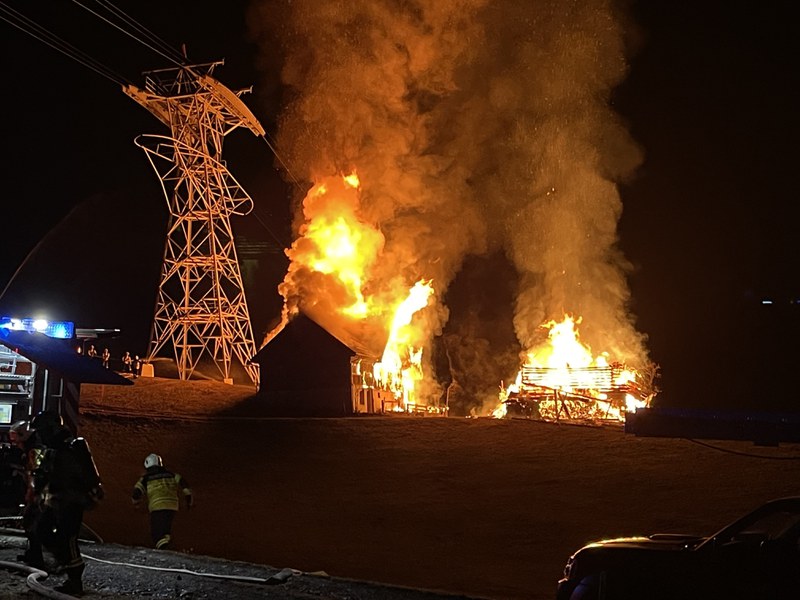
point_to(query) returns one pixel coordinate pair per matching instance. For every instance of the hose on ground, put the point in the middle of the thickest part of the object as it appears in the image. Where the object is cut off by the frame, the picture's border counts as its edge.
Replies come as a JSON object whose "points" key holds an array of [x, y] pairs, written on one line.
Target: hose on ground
{"points": [[279, 577], [34, 575]]}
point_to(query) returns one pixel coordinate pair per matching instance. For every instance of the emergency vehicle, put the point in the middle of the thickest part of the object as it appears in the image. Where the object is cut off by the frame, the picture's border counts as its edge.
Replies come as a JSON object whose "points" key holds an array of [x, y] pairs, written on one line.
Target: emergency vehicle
{"points": [[41, 369]]}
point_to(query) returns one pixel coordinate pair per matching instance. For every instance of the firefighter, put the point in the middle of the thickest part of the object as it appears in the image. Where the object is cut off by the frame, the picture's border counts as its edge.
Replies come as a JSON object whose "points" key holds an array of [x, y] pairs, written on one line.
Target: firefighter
{"points": [[65, 483], [21, 435], [13, 470], [162, 489]]}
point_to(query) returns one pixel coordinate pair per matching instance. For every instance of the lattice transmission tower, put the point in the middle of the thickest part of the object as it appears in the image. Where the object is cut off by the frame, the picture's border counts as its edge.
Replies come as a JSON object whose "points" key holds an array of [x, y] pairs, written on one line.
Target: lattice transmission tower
{"points": [[201, 309]]}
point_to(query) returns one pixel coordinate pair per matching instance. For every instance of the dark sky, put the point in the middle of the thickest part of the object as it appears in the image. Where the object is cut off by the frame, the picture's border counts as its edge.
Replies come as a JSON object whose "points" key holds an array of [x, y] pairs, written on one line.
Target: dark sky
{"points": [[708, 219]]}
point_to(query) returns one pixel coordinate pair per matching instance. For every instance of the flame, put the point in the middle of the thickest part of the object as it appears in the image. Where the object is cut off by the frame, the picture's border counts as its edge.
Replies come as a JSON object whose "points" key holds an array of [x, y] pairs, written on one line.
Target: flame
{"points": [[400, 367], [568, 381], [565, 358], [335, 241]]}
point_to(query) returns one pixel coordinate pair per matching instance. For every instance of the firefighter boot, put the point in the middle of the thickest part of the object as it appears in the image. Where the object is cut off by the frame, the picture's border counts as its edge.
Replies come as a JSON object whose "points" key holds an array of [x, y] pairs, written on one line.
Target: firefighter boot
{"points": [[32, 557], [73, 585]]}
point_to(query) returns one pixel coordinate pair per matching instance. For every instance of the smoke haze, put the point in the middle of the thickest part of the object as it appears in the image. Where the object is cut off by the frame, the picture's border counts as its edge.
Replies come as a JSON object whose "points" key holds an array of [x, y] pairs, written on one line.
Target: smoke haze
{"points": [[476, 128]]}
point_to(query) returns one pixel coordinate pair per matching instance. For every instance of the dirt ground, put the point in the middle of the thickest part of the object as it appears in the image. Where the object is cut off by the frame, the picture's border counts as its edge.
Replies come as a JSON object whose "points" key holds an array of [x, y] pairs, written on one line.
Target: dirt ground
{"points": [[481, 507]]}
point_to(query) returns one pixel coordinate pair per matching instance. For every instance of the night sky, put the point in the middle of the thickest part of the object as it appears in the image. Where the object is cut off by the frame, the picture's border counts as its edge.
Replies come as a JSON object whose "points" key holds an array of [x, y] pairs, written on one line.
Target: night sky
{"points": [[708, 219]]}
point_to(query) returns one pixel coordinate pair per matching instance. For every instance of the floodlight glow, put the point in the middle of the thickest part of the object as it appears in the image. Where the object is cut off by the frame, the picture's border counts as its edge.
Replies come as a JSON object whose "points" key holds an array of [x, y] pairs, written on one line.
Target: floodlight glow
{"points": [[40, 325]]}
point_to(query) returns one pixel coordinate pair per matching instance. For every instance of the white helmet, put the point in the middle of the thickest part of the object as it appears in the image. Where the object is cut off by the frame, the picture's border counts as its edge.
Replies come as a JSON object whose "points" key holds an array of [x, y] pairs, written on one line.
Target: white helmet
{"points": [[153, 460], [19, 432]]}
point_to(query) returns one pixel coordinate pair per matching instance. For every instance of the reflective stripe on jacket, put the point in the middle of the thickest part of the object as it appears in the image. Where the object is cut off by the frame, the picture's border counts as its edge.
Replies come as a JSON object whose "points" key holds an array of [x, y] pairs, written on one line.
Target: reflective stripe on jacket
{"points": [[162, 489]]}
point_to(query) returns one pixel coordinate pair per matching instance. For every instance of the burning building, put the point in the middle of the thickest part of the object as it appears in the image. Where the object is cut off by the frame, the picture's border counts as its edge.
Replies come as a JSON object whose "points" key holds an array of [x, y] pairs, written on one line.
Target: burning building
{"points": [[330, 268], [427, 133]]}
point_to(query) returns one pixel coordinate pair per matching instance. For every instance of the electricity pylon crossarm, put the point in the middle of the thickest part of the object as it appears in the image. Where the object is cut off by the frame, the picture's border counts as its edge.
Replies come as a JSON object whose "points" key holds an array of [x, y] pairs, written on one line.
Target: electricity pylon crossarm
{"points": [[201, 309]]}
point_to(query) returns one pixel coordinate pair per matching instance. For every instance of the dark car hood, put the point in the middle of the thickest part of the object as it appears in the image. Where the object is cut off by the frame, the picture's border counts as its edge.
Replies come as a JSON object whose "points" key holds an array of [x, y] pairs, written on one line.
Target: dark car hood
{"points": [[621, 553], [659, 541]]}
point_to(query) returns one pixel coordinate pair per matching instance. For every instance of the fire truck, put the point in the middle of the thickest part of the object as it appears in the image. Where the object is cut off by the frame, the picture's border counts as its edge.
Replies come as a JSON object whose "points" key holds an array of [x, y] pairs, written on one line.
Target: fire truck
{"points": [[17, 378], [41, 369]]}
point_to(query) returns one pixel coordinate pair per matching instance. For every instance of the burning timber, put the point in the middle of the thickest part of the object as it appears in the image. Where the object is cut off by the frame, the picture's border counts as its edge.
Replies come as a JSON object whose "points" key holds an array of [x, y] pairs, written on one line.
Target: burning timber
{"points": [[580, 394], [378, 391]]}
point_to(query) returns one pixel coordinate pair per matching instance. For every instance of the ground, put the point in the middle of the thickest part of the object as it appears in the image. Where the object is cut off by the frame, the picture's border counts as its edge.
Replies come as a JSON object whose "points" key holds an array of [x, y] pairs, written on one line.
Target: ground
{"points": [[480, 507]]}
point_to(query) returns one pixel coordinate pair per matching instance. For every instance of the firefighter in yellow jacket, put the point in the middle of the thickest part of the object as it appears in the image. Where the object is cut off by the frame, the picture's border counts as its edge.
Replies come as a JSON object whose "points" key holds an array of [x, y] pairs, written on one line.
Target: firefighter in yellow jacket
{"points": [[162, 489]]}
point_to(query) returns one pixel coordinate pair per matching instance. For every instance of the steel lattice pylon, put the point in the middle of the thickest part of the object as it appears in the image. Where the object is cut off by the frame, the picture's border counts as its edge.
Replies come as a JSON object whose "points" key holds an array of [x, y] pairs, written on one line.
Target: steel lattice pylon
{"points": [[201, 308]]}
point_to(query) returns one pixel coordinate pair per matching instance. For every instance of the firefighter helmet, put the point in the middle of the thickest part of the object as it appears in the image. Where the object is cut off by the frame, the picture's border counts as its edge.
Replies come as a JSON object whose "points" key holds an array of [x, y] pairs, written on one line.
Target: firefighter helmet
{"points": [[153, 460], [19, 432], [47, 419], [49, 427]]}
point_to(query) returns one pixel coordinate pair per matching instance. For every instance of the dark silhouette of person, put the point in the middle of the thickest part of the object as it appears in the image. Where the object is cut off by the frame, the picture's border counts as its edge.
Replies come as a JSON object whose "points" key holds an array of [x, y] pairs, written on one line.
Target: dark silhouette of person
{"points": [[65, 483]]}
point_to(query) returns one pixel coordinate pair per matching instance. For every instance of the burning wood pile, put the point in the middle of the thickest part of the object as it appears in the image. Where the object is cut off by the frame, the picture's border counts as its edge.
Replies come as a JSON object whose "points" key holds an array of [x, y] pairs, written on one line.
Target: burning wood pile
{"points": [[562, 381]]}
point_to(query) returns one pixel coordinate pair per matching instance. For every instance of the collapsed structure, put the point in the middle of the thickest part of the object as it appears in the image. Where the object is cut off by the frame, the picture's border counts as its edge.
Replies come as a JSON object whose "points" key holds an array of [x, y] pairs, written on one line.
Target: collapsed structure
{"points": [[588, 393], [562, 380]]}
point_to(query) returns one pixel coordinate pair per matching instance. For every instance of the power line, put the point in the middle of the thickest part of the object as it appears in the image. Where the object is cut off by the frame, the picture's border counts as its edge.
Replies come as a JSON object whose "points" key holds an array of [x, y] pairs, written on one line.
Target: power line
{"points": [[151, 41], [168, 52], [274, 150], [38, 32], [181, 56]]}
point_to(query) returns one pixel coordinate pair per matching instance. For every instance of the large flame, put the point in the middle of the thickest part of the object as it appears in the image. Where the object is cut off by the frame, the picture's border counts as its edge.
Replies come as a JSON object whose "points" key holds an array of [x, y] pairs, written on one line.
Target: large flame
{"points": [[400, 368], [568, 380], [335, 241], [331, 277]]}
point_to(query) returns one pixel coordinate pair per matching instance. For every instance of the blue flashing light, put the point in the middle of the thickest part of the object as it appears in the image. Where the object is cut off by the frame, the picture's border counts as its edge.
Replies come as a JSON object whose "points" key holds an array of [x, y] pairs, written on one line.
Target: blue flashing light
{"points": [[62, 330]]}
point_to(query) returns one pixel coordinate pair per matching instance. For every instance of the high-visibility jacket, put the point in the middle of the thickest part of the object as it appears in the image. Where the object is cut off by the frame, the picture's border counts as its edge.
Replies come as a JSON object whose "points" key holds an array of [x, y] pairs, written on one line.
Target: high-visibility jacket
{"points": [[162, 489]]}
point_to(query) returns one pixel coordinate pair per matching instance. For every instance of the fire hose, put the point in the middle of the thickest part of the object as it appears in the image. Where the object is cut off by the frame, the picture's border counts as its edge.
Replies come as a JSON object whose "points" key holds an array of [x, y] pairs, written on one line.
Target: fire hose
{"points": [[281, 576], [34, 575]]}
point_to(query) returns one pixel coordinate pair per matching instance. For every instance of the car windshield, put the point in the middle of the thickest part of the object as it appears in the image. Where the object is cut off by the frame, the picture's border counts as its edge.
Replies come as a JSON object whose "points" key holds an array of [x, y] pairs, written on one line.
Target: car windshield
{"points": [[774, 526], [774, 521]]}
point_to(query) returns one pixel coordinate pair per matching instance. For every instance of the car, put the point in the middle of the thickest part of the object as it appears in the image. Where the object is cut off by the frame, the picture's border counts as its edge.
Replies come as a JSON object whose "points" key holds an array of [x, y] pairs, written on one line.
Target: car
{"points": [[757, 557]]}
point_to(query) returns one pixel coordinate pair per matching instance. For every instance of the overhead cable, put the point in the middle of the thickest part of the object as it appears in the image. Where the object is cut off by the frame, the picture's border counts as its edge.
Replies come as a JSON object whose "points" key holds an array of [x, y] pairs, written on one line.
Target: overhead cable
{"points": [[278, 156], [179, 56], [26, 25], [171, 53]]}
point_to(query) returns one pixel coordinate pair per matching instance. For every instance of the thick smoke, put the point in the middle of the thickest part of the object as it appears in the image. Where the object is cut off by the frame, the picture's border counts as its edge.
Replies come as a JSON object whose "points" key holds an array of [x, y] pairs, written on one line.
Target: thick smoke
{"points": [[552, 153], [476, 127]]}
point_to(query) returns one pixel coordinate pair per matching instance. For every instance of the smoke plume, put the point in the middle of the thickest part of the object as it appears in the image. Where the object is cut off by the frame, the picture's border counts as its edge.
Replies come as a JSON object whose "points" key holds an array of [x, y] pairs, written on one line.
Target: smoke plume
{"points": [[476, 127]]}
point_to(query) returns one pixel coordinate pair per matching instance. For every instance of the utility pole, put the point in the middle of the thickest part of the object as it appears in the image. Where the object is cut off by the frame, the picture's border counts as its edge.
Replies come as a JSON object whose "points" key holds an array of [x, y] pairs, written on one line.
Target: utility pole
{"points": [[201, 310]]}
